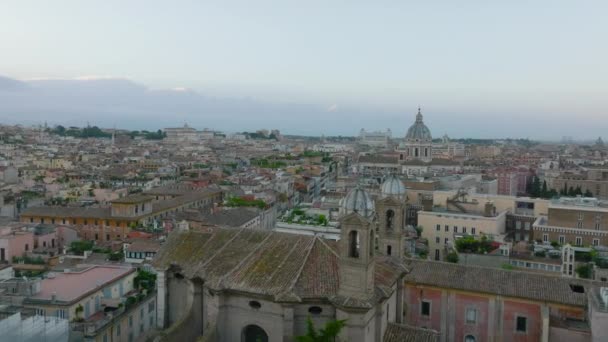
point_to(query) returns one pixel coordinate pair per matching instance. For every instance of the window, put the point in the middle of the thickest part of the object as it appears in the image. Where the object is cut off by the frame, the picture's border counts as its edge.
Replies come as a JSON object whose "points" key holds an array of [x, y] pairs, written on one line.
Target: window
{"points": [[455, 229], [60, 313], [562, 239], [389, 249], [579, 241], [579, 224], [473, 230], [27, 247], [438, 240], [255, 304], [469, 338], [438, 227], [151, 306], [521, 324], [130, 321], [141, 313], [436, 254], [105, 337], [545, 237], [353, 243], [40, 312], [315, 310], [425, 308], [471, 316], [596, 242], [86, 222], [118, 330], [151, 321], [446, 241], [464, 230], [390, 216], [447, 228]]}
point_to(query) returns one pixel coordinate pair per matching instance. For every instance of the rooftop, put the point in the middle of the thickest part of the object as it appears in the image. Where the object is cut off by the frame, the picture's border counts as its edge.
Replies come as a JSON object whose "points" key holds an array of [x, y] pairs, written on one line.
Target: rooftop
{"points": [[404, 333], [526, 285], [288, 267], [70, 286], [133, 199]]}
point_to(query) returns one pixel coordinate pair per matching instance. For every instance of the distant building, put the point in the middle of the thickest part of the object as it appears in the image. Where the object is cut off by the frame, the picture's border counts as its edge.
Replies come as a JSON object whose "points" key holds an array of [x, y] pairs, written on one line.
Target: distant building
{"points": [[592, 179], [575, 221], [375, 138], [115, 222], [418, 142], [180, 134]]}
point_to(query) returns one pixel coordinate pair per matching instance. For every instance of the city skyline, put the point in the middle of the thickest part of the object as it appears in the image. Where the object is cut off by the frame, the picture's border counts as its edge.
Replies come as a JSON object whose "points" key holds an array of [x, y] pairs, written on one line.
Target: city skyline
{"points": [[342, 67]]}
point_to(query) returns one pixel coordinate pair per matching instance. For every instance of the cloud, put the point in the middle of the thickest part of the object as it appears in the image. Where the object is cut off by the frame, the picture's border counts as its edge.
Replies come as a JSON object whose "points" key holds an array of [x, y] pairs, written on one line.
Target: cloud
{"points": [[332, 108]]}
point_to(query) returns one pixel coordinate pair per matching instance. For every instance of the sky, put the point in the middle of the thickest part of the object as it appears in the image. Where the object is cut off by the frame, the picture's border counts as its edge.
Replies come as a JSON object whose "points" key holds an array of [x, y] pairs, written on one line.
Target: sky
{"points": [[478, 68]]}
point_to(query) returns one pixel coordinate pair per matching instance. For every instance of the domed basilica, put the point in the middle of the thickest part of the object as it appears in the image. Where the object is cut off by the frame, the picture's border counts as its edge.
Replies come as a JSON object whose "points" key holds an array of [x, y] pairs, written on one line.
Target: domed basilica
{"points": [[418, 143]]}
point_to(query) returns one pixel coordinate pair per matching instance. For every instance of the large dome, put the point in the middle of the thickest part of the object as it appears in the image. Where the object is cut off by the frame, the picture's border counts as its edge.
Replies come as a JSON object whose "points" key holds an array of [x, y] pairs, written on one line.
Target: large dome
{"points": [[358, 201], [418, 131], [392, 186]]}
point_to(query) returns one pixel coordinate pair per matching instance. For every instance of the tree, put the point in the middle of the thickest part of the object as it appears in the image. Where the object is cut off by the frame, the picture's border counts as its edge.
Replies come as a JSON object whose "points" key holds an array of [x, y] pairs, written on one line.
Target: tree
{"points": [[584, 271], [328, 334], [588, 193], [544, 192], [452, 257]]}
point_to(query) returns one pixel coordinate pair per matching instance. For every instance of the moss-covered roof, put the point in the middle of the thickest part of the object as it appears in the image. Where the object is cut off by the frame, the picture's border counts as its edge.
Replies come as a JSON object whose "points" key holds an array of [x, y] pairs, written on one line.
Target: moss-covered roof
{"points": [[287, 267]]}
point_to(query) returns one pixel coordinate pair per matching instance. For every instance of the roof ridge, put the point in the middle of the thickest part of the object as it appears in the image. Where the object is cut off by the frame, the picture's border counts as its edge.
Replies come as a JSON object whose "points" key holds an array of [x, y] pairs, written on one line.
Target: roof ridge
{"points": [[293, 248], [219, 250], [328, 247], [246, 258], [305, 261]]}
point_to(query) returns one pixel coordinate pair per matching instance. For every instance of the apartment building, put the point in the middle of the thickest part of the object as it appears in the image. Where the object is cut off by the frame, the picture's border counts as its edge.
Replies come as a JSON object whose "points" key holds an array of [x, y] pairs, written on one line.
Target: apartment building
{"points": [[576, 221]]}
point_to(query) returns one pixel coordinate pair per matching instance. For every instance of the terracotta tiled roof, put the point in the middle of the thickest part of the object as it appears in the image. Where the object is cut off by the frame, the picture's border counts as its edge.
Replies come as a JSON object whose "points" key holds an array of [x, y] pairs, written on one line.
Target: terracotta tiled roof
{"points": [[288, 267], [533, 286], [405, 333]]}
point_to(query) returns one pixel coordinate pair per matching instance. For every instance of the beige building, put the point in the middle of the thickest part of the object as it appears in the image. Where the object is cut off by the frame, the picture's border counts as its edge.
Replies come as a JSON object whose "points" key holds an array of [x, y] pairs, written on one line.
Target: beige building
{"points": [[592, 179], [577, 221], [441, 228]]}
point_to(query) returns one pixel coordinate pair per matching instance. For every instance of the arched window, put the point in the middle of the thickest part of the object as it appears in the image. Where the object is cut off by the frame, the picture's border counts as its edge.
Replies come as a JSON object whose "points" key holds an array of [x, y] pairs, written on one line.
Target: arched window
{"points": [[469, 338], [353, 244], [390, 216], [254, 304], [315, 310], [253, 333], [372, 243]]}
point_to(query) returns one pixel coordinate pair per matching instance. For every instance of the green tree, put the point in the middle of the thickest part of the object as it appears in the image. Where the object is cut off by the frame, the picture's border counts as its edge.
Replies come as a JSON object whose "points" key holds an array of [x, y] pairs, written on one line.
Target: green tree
{"points": [[452, 257], [544, 192], [584, 271], [328, 334], [588, 193]]}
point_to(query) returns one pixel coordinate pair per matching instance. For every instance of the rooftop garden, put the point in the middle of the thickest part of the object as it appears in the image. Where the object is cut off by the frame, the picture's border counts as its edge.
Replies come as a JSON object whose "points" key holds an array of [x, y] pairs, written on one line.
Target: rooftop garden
{"points": [[469, 244], [241, 202], [299, 216]]}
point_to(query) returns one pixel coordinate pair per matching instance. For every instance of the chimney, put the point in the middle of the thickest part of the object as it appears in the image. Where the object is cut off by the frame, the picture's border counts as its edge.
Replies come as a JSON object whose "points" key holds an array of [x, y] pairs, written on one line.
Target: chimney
{"points": [[489, 209], [427, 204]]}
